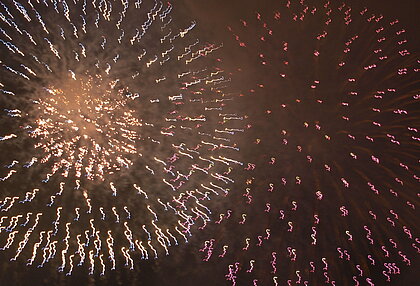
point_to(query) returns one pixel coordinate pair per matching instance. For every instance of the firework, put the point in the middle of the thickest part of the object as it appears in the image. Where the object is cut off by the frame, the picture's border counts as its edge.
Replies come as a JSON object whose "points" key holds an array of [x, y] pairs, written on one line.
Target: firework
{"points": [[116, 132], [329, 196]]}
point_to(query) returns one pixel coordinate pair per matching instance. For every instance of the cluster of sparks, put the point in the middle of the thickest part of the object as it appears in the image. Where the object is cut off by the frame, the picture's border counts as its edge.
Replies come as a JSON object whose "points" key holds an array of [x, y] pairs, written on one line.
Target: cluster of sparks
{"points": [[69, 123], [329, 196], [120, 132]]}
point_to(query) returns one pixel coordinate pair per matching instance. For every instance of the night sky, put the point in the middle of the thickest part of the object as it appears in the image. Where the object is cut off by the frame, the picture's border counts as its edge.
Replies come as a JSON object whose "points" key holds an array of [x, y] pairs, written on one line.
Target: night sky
{"points": [[209, 142]]}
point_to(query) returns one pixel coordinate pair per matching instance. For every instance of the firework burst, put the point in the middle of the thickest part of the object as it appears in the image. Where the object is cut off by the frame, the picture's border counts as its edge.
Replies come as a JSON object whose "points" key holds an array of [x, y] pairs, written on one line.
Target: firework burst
{"points": [[329, 196], [117, 133]]}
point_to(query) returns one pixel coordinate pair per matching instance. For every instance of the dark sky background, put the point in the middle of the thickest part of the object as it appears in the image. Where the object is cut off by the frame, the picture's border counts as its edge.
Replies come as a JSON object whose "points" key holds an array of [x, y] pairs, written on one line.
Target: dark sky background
{"points": [[185, 265]]}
